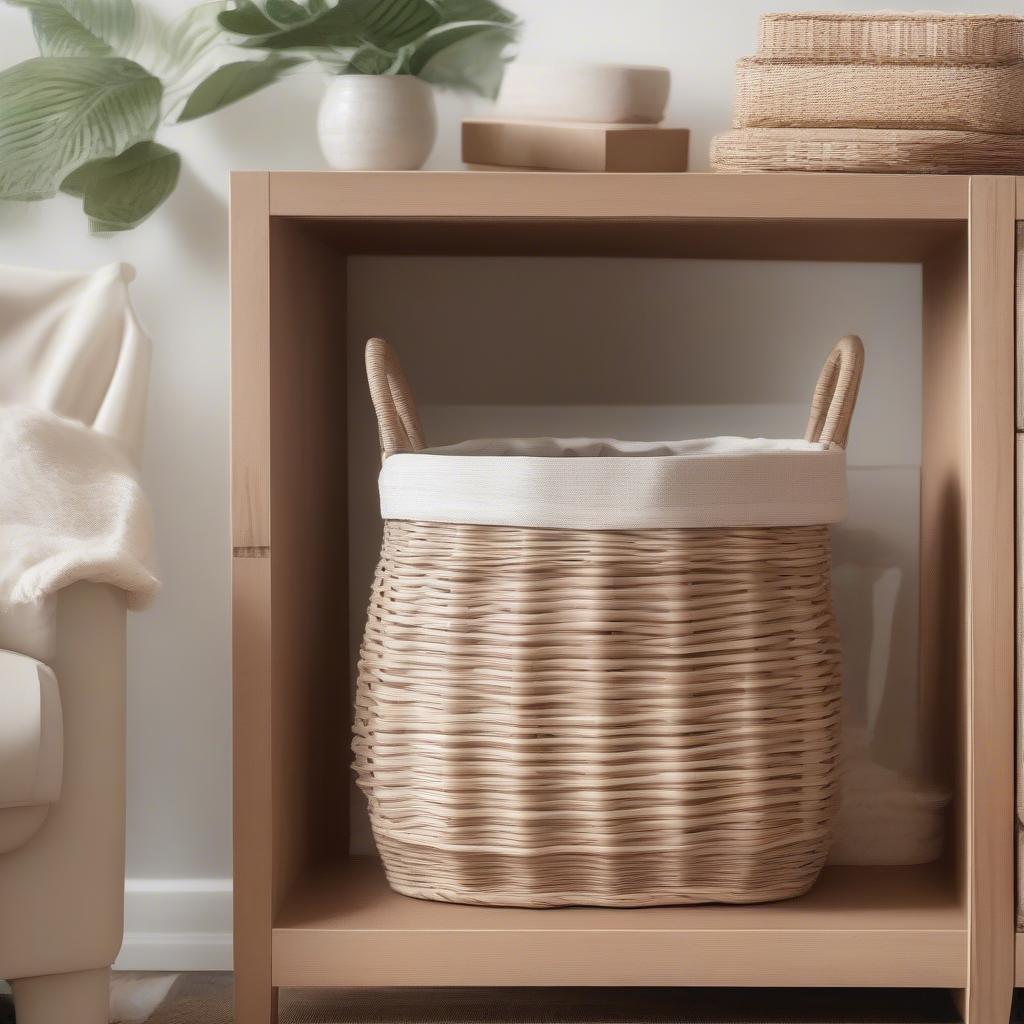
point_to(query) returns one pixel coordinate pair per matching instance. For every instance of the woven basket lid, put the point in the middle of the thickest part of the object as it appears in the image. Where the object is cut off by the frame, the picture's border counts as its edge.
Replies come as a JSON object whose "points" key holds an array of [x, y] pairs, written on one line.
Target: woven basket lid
{"points": [[892, 36]]}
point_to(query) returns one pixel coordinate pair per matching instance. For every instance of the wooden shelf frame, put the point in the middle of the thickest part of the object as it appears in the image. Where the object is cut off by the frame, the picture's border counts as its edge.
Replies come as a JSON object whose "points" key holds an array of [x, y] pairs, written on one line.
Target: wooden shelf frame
{"points": [[878, 927], [306, 913]]}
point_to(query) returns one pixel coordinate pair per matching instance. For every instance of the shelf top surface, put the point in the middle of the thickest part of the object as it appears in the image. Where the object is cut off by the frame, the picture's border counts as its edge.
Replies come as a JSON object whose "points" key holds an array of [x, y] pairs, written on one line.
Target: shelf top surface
{"points": [[499, 194], [354, 897]]}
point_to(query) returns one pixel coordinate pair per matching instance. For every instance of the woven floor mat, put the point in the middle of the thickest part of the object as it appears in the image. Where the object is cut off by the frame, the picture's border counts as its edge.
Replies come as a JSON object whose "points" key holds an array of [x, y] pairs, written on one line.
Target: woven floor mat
{"points": [[206, 999]]}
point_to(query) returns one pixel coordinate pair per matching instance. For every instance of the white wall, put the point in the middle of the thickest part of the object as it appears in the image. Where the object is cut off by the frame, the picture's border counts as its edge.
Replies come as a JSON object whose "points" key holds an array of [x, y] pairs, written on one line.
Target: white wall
{"points": [[179, 854]]}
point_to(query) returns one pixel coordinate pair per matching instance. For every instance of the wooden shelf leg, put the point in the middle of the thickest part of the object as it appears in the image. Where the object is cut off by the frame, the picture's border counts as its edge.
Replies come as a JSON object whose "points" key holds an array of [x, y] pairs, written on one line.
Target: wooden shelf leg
{"points": [[989, 743], [980, 1004], [255, 1001]]}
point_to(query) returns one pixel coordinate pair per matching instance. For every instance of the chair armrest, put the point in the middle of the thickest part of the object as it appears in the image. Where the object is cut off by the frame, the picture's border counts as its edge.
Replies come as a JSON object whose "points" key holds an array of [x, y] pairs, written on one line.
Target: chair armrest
{"points": [[31, 732]]}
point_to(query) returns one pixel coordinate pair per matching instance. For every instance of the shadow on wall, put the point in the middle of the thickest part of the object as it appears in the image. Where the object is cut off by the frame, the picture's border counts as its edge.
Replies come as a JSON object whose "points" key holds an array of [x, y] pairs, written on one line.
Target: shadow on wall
{"points": [[873, 580], [199, 217]]}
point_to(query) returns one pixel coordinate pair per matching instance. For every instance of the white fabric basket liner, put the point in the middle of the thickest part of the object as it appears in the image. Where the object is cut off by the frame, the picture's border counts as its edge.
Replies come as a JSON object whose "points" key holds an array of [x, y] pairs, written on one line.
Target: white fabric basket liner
{"points": [[603, 484]]}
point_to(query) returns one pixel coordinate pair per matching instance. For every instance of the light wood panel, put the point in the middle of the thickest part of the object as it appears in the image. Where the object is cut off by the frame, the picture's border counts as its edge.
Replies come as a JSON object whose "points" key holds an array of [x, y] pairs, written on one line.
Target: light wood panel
{"points": [[896, 197], [858, 926], [289, 547], [704, 238], [945, 467], [308, 551], [864, 927], [250, 360], [255, 1000], [253, 851], [990, 607]]}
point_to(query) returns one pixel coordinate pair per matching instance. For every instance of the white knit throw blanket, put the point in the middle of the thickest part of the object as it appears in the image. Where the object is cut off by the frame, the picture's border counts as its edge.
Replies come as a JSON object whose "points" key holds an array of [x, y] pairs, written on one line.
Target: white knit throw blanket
{"points": [[71, 509]]}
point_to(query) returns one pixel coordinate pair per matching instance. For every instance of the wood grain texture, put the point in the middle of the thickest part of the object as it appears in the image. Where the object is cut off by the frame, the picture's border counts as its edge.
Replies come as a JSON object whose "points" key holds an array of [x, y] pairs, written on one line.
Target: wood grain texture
{"points": [[943, 638], [613, 236], [308, 551], [250, 359], [567, 146], [255, 999], [668, 196], [990, 739], [858, 926], [288, 361], [866, 931]]}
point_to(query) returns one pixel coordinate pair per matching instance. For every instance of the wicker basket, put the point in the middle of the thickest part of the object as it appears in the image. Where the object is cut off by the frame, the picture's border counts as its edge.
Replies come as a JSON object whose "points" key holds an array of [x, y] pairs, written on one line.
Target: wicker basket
{"points": [[960, 97], [617, 717], [867, 150], [926, 37]]}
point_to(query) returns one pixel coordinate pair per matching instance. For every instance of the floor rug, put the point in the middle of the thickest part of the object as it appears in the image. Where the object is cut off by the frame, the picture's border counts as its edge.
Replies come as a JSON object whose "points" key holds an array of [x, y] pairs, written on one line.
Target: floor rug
{"points": [[199, 998], [206, 999]]}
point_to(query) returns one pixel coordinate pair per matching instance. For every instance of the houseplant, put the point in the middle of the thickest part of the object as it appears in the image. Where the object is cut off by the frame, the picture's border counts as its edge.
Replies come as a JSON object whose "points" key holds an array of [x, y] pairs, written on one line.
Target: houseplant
{"points": [[378, 111], [81, 118]]}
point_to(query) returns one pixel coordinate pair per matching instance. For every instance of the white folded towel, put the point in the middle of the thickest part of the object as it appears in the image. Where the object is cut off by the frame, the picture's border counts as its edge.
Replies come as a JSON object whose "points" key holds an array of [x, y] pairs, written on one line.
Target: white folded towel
{"points": [[71, 509]]}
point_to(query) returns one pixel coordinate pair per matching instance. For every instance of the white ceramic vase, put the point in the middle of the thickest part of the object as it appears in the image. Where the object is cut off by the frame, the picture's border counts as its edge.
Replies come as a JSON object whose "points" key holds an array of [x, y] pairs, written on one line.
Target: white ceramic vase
{"points": [[377, 123]]}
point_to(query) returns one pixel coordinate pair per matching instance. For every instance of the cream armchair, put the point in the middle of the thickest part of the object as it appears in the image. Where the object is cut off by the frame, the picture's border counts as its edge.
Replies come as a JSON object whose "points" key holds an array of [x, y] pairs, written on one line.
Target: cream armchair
{"points": [[62, 862], [69, 344]]}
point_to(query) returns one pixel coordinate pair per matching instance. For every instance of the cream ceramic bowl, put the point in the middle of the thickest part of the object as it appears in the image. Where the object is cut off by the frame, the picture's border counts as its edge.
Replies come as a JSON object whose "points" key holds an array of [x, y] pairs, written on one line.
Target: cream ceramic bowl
{"points": [[605, 93]]}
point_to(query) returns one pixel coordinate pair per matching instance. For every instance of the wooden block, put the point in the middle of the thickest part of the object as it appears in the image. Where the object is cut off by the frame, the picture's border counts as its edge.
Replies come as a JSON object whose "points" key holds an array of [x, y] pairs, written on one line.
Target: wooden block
{"points": [[569, 146]]}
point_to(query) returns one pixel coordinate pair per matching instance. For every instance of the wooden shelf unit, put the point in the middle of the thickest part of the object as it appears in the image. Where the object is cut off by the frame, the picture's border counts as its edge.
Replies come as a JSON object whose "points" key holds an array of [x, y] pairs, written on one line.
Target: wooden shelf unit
{"points": [[308, 914], [859, 926]]}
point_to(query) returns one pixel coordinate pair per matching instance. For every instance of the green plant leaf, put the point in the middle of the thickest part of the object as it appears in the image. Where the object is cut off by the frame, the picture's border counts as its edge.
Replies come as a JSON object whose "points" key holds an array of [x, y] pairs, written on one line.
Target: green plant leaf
{"points": [[81, 28], [468, 57], [475, 10], [234, 82], [286, 12], [120, 192], [182, 52], [387, 24], [372, 60], [59, 113], [246, 19], [187, 40], [189, 50]]}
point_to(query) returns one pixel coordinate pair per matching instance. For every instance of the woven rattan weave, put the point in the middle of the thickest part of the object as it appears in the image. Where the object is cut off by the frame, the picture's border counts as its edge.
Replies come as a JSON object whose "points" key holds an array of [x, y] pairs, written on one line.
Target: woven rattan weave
{"points": [[862, 150], [614, 717], [773, 94], [892, 37]]}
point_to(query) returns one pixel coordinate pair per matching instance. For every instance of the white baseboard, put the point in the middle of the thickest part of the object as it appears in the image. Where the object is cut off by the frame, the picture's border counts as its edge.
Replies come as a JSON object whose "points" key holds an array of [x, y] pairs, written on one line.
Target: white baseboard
{"points": [[176, 924]]}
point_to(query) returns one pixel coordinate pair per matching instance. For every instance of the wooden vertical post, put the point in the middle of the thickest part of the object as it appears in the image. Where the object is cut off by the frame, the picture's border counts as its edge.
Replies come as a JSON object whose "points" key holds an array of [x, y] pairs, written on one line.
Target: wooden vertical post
{"points": [[255, 996], [990, 603]]}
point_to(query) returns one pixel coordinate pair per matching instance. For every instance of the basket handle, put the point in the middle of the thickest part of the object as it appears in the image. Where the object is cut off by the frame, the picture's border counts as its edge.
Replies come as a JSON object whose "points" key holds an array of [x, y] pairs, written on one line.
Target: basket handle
{"points": [[398, 423], [835, 394]]}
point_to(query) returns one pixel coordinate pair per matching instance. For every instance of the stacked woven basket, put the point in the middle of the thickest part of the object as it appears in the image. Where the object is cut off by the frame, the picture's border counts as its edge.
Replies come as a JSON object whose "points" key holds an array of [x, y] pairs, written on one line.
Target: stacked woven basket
{"points": [[884, 92]]}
